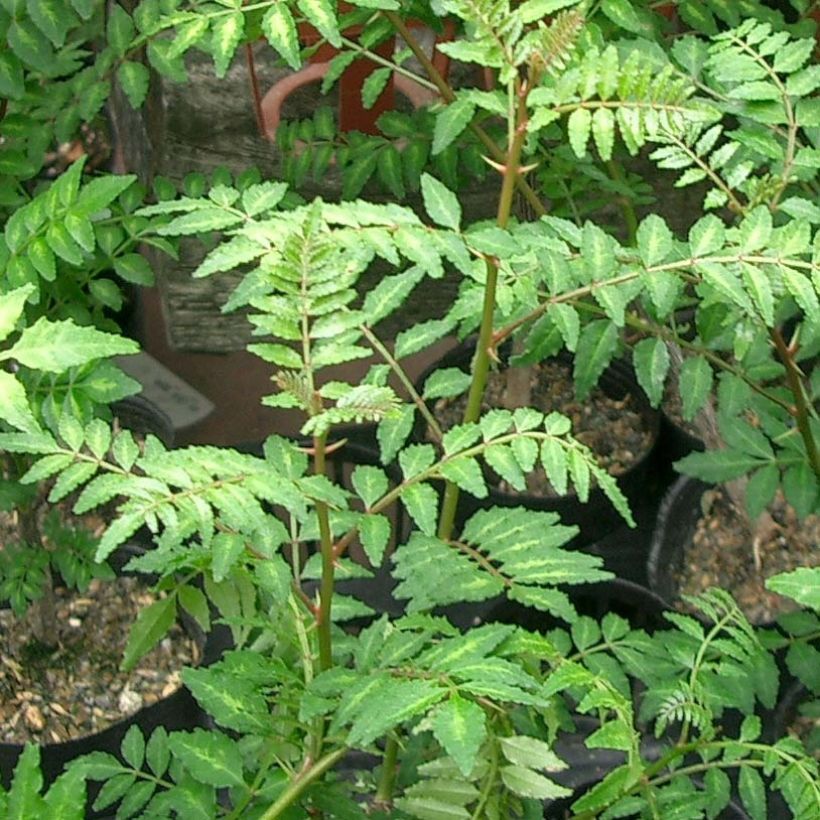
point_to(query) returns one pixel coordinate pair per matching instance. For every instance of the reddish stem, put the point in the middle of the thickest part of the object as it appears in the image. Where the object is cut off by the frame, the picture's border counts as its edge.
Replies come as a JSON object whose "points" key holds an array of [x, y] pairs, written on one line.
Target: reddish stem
{"points": [[255, 93]]}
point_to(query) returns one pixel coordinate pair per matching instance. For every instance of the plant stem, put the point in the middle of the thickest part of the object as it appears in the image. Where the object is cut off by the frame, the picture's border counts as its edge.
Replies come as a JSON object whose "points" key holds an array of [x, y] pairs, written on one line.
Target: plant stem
{"points": [[301, 782], [323, 623], [408, 385], [802, 410], [255, 93], [448, 95], [481, 361], [384, 792]]}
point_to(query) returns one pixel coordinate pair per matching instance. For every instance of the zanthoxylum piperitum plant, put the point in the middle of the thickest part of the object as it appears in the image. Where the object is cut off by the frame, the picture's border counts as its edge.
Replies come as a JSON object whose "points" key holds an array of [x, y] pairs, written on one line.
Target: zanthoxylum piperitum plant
{"points": [[463, 724]]}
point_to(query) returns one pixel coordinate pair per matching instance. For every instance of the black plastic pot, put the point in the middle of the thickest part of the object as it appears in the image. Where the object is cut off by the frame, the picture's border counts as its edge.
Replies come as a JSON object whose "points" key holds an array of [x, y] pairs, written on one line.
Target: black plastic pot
{"points": [[677, 520], [597, 517], [178, 711], [143, 417], [675, 441]]}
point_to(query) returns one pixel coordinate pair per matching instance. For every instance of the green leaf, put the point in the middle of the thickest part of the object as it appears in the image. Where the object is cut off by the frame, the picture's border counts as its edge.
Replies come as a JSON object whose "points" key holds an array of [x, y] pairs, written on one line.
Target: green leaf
{"points": [[696, 14], [752, 793], [603, 132], [793, 55], [157, 753], [42, 257], [134, 78], [450, 122], [428, 808], [707, 236], [374, 85], [802, 585], [694, 384], [31, 45], [460, 726], [132, 747], [415, 459], [322, 14], [579, 127], [445, 382], [12, 81], [389, 294], [56, 346], [651, 360], [440, 202], [622, 13], [134, 268], [757, 285], [135, 798], [81, 230], [503, 460], [421, 502], [193, 601], [53, 18], [756, 229], [421, 336], [264, 196], [531, 752], [24, 801], [726, 282], [393, 432], [203, 220], [211, 757], [234, 703], [11, 308], [152, 624], [119, 30], [800, 287], [226, 33], [527, 783], [62, 243], [533, 10], [717, 466], [279, 28], [596, 347], [65, 798], [100, 192], [374, 533], [800, 485], [654, 240], [370, 483], [393, 702], [466, 473], [188, 34]]}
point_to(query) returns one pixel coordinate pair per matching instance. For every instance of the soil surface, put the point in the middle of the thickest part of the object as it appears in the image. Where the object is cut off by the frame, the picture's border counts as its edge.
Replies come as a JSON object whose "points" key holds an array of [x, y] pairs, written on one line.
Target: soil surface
{"points": [[724, 553], [614, 429], [77, 689]]}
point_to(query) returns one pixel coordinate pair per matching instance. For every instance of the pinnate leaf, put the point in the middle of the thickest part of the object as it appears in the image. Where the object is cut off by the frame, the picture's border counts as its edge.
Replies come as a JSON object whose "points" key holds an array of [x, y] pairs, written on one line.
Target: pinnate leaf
{"points": [[211, 757], [151, 626], [526, 783], [440, 202], [460, 727]]}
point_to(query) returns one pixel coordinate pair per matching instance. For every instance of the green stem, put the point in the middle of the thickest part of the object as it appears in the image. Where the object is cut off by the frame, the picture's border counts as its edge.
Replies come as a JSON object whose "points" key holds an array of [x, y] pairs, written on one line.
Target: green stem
{"points": [[448, 95], [408, 385], [301, 782], [481, 362], [802, 410], [323, 623], [384, 792]]}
